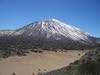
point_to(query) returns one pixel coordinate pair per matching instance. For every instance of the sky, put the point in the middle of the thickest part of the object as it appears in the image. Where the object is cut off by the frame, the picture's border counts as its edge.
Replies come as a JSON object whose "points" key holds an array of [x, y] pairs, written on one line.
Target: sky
{"points": [[83, 14]]}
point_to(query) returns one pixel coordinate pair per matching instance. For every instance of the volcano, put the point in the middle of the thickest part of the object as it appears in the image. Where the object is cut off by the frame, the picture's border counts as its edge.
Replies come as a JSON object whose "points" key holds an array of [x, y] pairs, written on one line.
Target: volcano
{"points": [[49, 33]]}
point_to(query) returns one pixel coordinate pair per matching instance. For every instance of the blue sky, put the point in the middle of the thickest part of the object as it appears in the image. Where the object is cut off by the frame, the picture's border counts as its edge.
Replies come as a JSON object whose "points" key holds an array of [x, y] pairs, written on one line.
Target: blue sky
{"points": [[84, 14]]}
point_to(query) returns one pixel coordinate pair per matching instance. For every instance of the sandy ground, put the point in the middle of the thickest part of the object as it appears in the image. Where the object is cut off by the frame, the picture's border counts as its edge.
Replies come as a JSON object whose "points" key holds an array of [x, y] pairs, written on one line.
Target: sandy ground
{"points": [[38, 62]]}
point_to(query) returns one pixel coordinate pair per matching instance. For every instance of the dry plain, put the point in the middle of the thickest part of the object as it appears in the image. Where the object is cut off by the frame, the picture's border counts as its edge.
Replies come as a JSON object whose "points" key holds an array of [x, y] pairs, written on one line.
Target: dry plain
{"points": [[38, 62]]}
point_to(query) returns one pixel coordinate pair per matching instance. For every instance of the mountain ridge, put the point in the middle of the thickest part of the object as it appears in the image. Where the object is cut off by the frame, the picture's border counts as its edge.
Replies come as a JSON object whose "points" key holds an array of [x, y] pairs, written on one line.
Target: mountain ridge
{"points": [[49, 32]]}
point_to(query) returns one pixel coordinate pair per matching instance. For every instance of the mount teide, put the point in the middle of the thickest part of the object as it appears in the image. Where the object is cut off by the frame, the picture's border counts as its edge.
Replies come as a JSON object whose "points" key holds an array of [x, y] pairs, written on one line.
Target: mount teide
{"points": [[49, 33]]}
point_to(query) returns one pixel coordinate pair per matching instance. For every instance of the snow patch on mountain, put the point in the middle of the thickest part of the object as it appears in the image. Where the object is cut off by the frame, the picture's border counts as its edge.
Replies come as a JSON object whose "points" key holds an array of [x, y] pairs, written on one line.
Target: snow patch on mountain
{"points": [[6, 32]]}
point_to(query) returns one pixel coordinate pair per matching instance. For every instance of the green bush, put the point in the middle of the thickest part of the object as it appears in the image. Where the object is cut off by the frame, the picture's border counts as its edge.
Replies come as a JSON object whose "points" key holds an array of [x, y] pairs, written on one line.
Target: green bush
{"points": [[91, 67]]}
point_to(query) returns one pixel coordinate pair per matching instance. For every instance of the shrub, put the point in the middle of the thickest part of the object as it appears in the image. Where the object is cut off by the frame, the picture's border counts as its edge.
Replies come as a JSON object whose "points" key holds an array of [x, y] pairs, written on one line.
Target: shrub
{"points": [[90, 67]]}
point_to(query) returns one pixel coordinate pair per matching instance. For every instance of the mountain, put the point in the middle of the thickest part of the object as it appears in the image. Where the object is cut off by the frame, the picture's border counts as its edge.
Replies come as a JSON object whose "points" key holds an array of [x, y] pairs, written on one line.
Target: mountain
{"points": [[47, 34], [6, 32], [53, 28], [98, 40]]}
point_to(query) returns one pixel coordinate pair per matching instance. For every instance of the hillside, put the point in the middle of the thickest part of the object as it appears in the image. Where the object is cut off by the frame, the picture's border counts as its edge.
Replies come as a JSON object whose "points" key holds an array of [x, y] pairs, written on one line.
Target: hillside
{"points": [[87, 65], [49, 34]]}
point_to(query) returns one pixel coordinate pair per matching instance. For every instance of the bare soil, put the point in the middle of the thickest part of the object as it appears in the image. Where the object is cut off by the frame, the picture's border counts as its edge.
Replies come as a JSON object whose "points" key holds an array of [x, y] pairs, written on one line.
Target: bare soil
{"points": [[38, 62]]}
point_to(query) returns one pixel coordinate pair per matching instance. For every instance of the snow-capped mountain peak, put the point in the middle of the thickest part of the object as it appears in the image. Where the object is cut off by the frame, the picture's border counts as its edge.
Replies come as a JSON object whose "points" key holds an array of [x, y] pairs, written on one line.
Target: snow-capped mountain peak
{"points": [[48, 33], [53, 28]]}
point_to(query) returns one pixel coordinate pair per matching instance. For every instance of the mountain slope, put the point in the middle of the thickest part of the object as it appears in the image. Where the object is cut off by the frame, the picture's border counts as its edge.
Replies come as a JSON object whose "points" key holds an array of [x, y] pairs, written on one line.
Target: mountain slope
{"points": [[48, 33], [6, 32], [51, 28], [89, 64]]}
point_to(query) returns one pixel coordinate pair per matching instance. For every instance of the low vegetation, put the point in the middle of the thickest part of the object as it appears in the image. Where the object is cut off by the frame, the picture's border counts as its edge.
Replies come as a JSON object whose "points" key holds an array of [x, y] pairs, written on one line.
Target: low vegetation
{"points": [[89, 64]]}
